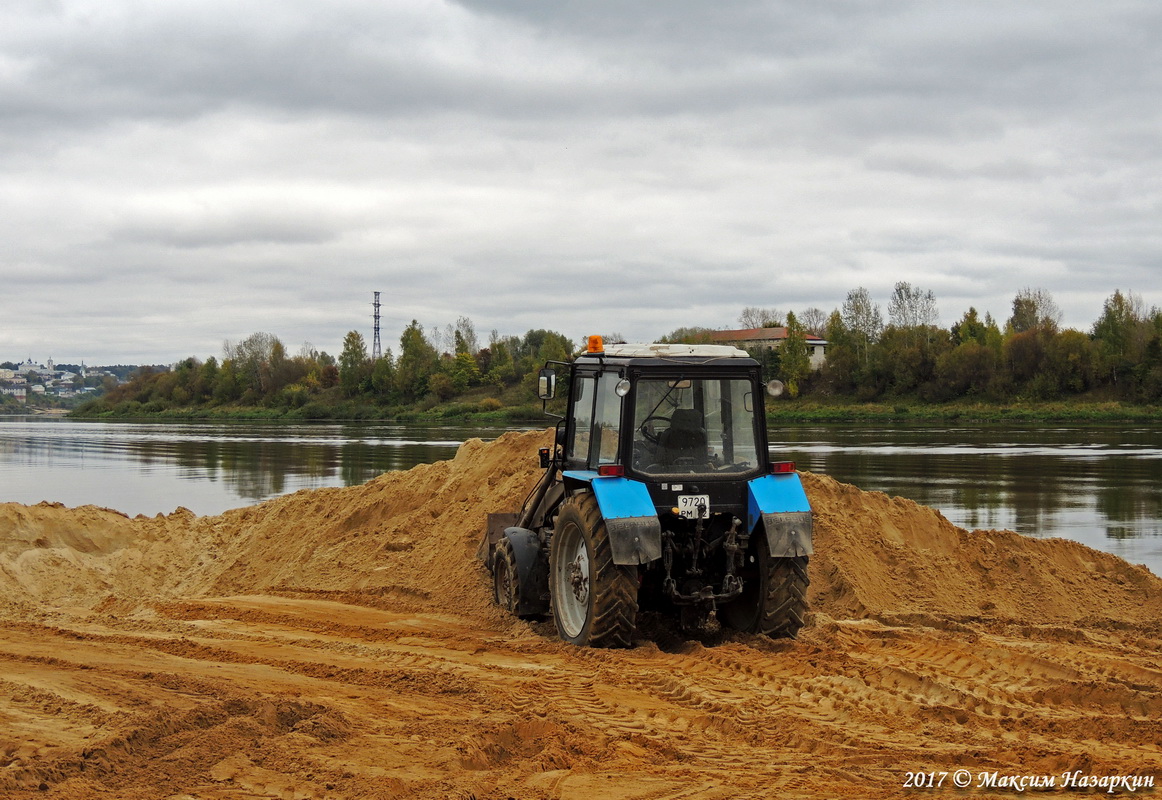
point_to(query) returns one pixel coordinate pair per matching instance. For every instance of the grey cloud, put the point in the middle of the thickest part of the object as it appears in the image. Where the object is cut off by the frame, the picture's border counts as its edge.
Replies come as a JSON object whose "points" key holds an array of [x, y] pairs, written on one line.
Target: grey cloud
{"points": [[577, 60], [653, 165], [190, 231], [180, 60]]}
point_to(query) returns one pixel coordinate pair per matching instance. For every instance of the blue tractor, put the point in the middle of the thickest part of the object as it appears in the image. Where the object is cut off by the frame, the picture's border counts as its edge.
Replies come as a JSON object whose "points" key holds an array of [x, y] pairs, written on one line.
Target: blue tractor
{"points": [[658, 494]]}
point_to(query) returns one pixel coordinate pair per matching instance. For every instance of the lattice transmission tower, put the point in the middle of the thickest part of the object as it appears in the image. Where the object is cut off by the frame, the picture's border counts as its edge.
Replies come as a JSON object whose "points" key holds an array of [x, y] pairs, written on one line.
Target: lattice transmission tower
{"points": [[376, 350]]}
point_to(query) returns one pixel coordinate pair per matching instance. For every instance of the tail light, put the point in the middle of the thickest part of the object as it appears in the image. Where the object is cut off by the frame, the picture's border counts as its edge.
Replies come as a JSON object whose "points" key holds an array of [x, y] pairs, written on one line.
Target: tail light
{"points": [[611, 471], [782, 467]]}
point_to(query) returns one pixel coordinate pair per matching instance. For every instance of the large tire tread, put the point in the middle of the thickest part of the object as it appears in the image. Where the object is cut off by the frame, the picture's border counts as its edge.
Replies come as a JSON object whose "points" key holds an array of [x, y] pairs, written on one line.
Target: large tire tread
{"points": [[785, 609], [774, 602], [614, 588], [506, 577]]}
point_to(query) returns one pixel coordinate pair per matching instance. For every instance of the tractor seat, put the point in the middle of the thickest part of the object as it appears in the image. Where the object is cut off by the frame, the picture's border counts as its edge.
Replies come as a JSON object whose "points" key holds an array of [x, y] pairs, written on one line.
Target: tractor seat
{"points": [[684, 439]]}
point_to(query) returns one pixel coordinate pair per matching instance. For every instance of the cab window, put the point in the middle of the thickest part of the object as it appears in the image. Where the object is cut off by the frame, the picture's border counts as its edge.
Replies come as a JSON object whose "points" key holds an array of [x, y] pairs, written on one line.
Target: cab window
{"points": [[698, 426], [596, 433], [607, 422], [583, 391]]}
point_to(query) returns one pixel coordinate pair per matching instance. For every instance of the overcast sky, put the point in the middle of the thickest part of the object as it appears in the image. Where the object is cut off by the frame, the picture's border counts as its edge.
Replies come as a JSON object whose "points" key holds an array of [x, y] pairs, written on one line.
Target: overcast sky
{"points": [[175, 174]]}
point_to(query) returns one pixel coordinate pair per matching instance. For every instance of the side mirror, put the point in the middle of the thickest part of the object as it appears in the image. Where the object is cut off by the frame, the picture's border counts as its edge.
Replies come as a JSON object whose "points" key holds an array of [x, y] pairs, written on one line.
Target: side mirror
{"points": [[547, 384]]}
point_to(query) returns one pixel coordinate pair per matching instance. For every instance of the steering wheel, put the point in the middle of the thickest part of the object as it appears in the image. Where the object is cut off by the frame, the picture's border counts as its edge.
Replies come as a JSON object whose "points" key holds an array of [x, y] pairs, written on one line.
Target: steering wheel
{"points": [[652, 436]]}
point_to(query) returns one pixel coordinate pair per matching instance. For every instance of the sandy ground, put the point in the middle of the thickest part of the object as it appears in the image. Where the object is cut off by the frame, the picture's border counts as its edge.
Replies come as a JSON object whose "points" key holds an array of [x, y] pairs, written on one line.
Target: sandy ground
{"points": [[342, 643]]}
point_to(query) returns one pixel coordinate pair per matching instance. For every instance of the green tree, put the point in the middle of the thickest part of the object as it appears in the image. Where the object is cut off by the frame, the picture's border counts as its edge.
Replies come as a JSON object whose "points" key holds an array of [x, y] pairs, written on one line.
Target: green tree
{"points": [[1024, 355], [844, 365], [1069, 358], [186, 375], [465, 337], [692, 335], [500, 367], [537, 347], [770, 361], [898, 360], [227, 387], [279, 371], [970, 328], [203, 388], [354, 365], [383, 377], [418, 362], [1034, 309], [862, 321], [441, 386], [794, 356], [1152, 364], [251, 358], [1122, 334], [993, 338], [965, 370], [463, 372]]}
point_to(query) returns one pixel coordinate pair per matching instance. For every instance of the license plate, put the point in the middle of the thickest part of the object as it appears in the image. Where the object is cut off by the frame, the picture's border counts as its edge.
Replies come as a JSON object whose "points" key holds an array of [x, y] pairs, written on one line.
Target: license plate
{"points": [[689, 505]]}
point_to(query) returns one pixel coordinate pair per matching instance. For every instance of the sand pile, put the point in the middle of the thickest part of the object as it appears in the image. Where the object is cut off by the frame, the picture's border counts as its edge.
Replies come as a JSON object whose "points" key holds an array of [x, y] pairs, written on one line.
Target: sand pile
{"points": [[342, 643], [411, 536], [877, 554], [408, 534]]}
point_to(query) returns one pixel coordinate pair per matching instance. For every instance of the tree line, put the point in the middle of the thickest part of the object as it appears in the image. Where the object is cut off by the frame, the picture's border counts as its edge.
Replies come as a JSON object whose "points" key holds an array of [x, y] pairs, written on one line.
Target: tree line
{"points": [[868, 357], [431, 367], [1029, 356]]}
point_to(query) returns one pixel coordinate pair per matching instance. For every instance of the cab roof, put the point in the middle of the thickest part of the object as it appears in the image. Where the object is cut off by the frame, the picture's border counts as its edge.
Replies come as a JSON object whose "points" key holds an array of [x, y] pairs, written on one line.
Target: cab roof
{"points": [[671, 351], [657, 356]]}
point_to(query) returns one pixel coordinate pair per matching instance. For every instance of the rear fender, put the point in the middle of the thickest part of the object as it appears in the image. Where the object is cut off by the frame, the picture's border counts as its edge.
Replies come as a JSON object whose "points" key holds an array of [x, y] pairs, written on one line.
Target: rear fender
{"points": [[781, 504], [635, 533]]}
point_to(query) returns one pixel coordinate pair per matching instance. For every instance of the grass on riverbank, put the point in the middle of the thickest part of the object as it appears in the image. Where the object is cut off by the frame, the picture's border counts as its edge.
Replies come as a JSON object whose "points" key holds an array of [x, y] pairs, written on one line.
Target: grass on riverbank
{"points": [[489, 410], [343, 412], [477, 406], [1056, 411]]}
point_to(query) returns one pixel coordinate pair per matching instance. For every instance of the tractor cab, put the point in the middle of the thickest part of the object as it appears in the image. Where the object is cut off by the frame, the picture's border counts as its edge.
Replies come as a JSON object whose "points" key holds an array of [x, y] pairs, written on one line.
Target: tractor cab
{"points": [[662, 411], [684, 421]]}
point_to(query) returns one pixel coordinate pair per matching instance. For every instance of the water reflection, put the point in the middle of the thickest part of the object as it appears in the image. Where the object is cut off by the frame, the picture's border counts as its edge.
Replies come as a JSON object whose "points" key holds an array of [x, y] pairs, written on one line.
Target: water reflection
{"points": [[207, 467], [1101, 485]]}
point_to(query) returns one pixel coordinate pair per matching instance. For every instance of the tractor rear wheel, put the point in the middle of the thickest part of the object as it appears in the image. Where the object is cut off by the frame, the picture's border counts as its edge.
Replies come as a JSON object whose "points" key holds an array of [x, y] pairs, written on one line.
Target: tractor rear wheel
{"points": [[774, 596], [594, 599]]}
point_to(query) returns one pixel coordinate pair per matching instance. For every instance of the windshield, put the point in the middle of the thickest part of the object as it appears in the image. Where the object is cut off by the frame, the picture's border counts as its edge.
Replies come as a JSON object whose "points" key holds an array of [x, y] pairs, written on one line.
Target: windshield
{"points": [[694, 426]]}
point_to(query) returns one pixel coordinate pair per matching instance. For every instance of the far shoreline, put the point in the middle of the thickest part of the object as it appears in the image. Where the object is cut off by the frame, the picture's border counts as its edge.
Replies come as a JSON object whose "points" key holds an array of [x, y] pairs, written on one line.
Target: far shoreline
{"points": [[779, 412]]}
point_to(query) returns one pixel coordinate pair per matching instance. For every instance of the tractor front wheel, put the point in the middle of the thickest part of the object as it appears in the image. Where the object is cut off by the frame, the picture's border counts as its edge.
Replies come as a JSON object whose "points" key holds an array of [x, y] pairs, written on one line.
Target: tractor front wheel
{"points": [[506, 577], [594, 599]]}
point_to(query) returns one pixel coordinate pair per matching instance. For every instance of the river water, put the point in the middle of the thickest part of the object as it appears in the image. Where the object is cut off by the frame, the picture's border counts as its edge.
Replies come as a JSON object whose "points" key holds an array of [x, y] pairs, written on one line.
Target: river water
{"points": [[1100, 485]]}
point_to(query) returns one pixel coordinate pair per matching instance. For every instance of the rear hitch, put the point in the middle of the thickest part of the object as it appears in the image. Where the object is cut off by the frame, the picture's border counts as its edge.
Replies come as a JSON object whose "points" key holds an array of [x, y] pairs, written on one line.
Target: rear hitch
{"points": [[695, 591]]}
